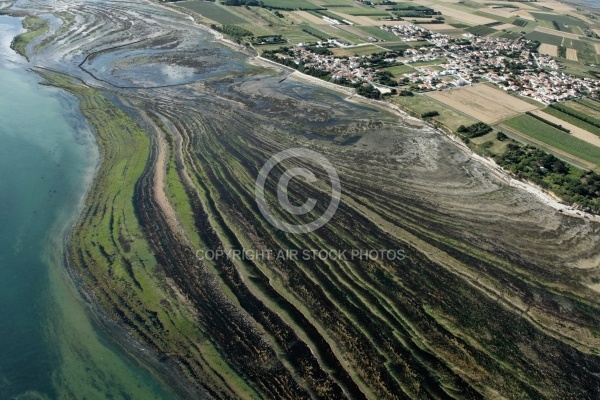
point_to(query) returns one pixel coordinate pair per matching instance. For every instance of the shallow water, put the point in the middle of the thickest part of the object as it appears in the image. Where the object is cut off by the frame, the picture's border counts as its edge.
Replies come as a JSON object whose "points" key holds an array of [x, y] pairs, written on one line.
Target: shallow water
{"points": [[49, 346]]}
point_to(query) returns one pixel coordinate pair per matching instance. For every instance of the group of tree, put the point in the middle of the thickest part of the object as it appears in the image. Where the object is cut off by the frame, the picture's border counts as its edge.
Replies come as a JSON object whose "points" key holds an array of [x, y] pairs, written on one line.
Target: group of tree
{"points": [[475, 130], [236, 32], [535, 165], [580, 116], [386, 78], [369, 91], [258, 3], [430, 114], [243, 3]]}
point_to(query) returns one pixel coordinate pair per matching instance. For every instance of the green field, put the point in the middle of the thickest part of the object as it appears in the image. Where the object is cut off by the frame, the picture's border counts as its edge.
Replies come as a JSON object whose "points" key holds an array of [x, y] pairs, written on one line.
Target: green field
{"points": [[578, 45], [298, 36], [291, 4], [575, 121], [481, 30], [400, 70], [427, 63], [363, 11], [212, 11], [379, 33], [520, 22], [578, 68], [334, 32], [553, 137], [357, 50], [509, 35], [316, 33], [545, 38], [589, 106], [494, 17], [562, 19], [419, 104], [396, 46], [335, 3]]}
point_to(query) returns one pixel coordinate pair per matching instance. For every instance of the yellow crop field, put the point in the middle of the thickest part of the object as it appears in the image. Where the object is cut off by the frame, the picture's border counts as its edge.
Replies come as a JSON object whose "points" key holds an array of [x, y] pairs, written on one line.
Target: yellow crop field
{"points": [[484, 102], [503, 26], [313, 19], [462, 16], [501, 12], [572, 55], [548, 49], [361, 19], [557, 33]]}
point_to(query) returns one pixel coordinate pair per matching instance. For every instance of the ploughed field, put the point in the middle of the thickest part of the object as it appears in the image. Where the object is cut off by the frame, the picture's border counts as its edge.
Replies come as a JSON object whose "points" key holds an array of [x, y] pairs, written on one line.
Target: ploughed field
{"points": [[497, 294]]}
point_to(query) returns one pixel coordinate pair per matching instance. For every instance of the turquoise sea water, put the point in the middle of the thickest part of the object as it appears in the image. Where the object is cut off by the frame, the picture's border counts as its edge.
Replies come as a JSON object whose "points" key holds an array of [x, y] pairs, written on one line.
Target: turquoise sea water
{"points": [[49, 347]]}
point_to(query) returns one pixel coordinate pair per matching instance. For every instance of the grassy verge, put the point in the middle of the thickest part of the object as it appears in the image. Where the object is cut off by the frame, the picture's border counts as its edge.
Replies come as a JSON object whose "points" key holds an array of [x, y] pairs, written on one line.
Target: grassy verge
{"points": [[35, 26]]}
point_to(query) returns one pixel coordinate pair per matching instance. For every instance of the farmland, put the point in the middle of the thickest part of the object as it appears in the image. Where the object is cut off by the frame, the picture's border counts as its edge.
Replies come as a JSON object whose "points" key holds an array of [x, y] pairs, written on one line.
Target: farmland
{"points": [[379, 33], [587, 107], [357, 50], [420, 104], [178, 176], [483, 102], [572, 54], [291, 4], [212, 11], [579, 130], [578, 115], [542, 37], [563, 19], [400, 70], [553, 31], [548, 49], [550, 136], [363, 11], [481, 30], [395, 46]]}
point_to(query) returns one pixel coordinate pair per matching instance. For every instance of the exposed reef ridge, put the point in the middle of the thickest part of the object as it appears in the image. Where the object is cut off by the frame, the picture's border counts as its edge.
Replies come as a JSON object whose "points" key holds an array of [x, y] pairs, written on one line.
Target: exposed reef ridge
{"points": [[496, 294]]}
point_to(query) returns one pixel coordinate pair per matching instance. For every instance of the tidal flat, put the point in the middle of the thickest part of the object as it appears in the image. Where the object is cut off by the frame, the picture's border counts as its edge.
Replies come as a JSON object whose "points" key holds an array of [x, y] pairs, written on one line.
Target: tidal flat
{"points": [[498, 295]]}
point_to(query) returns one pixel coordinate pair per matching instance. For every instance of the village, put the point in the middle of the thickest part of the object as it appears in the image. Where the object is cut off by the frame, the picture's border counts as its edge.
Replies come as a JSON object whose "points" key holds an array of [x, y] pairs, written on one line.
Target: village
{"points": [[446, 62]]}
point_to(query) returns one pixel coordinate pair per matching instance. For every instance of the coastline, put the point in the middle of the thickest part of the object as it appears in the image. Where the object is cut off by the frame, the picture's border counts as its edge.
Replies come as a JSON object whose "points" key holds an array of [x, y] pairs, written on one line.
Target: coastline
{"points": [[72, 317], [546, 197], [153, 358], [135, 351], [142, 353]]}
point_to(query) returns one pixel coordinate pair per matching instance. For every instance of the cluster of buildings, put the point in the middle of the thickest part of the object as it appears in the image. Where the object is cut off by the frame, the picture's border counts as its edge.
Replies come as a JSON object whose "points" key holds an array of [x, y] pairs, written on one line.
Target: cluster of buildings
{"points": [[352, 69], [513, 64]]}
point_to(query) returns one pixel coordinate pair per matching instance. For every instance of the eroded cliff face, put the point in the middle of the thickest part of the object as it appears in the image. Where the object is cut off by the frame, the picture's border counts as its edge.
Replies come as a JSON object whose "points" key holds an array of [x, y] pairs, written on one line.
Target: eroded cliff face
{"points": [[495, 294]]}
